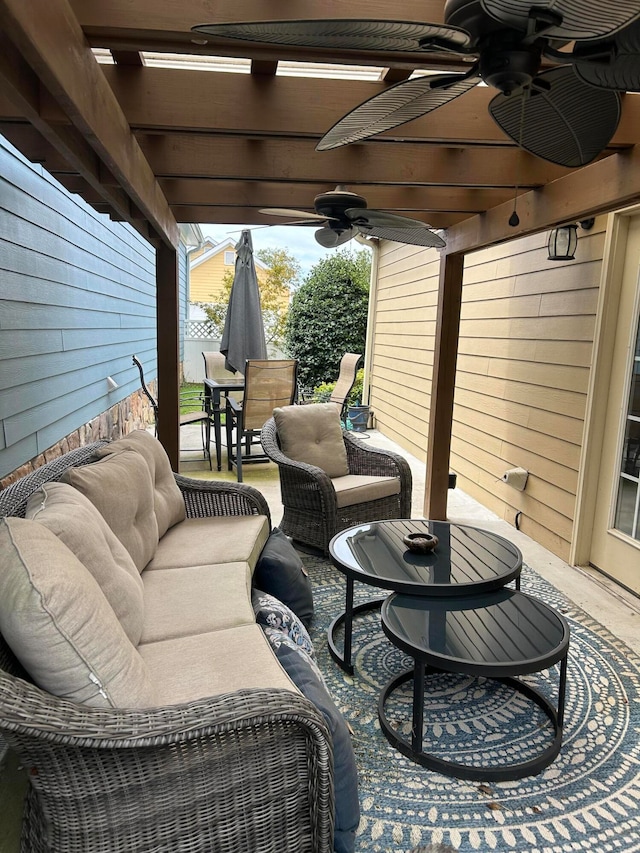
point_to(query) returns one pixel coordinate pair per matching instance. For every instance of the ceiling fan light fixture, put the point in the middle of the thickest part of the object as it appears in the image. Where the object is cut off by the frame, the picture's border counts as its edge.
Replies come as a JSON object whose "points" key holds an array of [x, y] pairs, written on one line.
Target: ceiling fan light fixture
{"points": [[562, 243]]}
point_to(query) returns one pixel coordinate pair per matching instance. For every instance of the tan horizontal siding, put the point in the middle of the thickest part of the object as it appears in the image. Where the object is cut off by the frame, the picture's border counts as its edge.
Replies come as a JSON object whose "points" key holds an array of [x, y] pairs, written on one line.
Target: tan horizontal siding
{"points": [[525, 349]]}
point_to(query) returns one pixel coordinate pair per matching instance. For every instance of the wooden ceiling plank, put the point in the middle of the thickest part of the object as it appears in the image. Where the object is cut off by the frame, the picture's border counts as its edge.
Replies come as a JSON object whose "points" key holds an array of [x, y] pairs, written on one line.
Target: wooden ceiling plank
{"points": [[171, 15], [300, 195], [609, 184], [49, 37], [179, 99], [198, 155]]}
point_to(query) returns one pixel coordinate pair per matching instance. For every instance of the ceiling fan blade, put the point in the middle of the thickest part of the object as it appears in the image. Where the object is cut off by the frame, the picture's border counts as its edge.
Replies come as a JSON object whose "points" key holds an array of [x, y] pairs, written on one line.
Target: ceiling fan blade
{"points": [[289, 213], [413, 236], [398, 104], [622, 73], [570, 124], [402, 36], [329, 238], [389, 226], [587, 19], [367, 217]]}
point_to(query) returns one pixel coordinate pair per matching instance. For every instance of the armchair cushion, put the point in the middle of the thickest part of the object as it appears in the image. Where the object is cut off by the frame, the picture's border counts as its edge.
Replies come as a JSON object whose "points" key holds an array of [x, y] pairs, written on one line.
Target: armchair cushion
{"points": [[77, 523], [60, 625], [280, 572], [167, 497], [120, 488], [360, 488], [313, 434]]}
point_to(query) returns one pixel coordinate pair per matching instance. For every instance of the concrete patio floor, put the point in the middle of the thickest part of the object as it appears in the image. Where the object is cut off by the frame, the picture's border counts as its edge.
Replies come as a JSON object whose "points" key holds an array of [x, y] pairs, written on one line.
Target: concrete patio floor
{"points": [[604, 600]]}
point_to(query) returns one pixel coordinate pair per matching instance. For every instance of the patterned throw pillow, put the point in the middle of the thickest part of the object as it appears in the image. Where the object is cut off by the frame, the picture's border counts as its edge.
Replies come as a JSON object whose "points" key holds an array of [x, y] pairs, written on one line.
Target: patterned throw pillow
{"points": [[278, 619]]}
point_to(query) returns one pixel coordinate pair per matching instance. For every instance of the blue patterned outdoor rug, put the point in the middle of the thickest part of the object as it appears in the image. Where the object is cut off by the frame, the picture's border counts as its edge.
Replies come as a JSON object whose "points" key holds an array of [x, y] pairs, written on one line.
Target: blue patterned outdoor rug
{"points": [[588, 799]]}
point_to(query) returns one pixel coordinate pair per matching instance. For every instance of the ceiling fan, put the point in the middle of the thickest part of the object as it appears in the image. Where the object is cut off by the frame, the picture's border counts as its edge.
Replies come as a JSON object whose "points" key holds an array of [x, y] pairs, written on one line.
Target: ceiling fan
{"points": [[566, 114], [344, 215]]}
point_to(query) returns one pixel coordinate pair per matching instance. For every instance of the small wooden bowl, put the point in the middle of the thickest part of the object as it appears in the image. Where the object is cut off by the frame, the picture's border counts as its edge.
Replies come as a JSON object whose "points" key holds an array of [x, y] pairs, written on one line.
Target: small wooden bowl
{"points": [[420, 543]]}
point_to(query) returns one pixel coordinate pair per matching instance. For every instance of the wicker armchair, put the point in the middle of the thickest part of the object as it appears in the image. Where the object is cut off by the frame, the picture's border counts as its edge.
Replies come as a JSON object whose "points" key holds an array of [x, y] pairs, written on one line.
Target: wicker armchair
{"points": [[311, 512], [245, 771]]}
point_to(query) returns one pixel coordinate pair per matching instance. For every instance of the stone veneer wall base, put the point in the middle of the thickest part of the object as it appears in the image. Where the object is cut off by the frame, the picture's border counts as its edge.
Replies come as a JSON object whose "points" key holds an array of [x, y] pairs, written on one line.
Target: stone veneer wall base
{"points": [[134, 412]]}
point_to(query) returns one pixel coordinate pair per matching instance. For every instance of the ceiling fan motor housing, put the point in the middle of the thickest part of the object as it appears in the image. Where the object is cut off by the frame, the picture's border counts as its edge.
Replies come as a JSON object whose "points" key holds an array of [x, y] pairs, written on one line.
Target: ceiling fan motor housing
{"points": [[508, 66], [334, 203]]}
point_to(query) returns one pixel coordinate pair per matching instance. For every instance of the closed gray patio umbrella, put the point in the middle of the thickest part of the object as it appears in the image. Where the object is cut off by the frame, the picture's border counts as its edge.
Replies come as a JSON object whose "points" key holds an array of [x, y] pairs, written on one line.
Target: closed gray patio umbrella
{"points": [[243, 335]]}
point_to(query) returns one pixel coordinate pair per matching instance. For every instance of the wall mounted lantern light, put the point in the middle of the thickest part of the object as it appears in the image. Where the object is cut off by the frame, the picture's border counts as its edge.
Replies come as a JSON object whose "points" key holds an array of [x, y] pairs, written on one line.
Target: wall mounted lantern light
{"points": [[563, 240]]}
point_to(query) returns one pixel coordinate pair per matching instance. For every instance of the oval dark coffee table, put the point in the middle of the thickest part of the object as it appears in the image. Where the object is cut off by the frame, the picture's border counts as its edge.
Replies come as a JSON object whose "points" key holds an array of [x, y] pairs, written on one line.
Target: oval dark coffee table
{"points": [[466, 561], [497, 635]]}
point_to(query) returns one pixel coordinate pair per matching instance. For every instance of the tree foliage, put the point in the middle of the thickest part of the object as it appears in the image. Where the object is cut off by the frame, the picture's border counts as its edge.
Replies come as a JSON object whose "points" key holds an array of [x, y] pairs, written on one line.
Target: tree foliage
{"points": [[328, 315], [281, 278]]}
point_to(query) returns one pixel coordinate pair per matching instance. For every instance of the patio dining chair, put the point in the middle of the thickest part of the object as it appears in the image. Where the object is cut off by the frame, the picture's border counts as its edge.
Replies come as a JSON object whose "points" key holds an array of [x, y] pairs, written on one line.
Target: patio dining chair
{"points": [[214, 368], [267, 384], [197, 411], [346, 380]]}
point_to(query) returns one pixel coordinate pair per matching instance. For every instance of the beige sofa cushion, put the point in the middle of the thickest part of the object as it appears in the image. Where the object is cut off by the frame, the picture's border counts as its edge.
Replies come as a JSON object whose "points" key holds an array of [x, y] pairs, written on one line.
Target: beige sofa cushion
{"points": [[360, 488], [77, 523], [167, 498], [196, 600], [120, 488], [190, 668], [313, 434], [221, 539], [61, 627]]}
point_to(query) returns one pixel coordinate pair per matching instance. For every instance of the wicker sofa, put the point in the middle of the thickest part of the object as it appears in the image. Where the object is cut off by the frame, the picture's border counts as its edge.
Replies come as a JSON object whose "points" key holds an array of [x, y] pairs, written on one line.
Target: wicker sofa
{"points": [[200, 741]]}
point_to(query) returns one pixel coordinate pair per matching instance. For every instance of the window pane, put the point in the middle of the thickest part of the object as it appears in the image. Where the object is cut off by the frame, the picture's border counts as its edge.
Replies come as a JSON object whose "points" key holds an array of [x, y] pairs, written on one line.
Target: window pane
{"points": [[626, 506], [631, 449], [634, 395]]}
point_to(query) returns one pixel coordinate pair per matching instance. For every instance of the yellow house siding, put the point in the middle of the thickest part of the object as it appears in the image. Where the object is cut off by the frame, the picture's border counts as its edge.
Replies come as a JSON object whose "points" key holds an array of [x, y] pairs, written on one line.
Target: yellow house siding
{"points": [[526, 335], [207, 277]]}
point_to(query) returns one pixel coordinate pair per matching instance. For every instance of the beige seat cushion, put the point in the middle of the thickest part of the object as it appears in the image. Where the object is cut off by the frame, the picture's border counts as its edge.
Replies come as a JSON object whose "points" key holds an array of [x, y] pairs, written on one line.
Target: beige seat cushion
{"points": [[313, 434], [196, 600], [190, 668], [77, 523], [168, 502], [121, 489], [60, 626], [202, 541], [359, 488]]}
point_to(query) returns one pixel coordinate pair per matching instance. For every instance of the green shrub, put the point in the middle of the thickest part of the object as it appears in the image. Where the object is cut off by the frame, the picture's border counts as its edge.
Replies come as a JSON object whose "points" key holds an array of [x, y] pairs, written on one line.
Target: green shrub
{"points": [[328, 316]]}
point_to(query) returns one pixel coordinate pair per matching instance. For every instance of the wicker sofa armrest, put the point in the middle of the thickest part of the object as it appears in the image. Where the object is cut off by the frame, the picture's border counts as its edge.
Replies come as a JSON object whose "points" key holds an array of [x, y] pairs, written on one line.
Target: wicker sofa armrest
{"points": [[185, 776], [205, 498]]}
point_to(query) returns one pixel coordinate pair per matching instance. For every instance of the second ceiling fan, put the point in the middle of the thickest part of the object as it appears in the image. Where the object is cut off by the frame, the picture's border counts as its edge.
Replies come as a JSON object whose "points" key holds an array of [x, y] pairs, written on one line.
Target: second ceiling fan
{"points": [[343, 215]]}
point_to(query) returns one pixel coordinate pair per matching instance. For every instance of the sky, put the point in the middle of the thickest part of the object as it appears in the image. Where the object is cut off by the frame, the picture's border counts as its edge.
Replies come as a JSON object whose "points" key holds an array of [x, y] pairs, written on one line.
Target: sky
{"points": [[299, 241]]}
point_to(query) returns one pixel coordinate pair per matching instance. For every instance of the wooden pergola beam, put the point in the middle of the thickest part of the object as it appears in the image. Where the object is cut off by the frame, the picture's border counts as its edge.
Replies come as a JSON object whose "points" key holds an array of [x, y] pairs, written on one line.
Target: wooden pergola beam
{"points": [[609, 184], [48, 36], [443, 386]]}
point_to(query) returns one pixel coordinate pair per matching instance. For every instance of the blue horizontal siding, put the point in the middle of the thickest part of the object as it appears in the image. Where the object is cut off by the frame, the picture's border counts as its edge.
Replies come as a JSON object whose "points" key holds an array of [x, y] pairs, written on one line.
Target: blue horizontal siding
{"points": [[77, 299]]}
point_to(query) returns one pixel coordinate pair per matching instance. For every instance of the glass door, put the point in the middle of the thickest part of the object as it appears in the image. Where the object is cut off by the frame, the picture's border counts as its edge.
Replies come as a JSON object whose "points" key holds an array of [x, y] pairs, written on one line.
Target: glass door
{"points": [[627, 510]]}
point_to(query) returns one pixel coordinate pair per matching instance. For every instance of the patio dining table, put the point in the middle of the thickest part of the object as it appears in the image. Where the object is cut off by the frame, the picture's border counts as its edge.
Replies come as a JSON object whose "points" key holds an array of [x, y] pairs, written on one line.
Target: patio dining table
{"points": [[213, 389]]}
